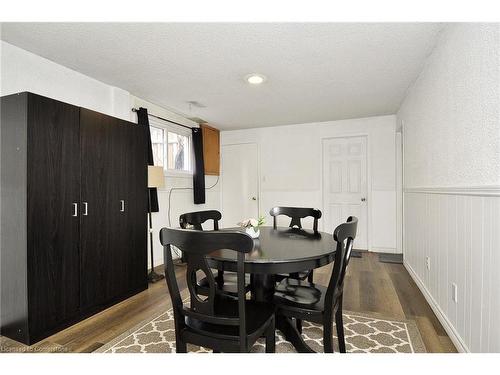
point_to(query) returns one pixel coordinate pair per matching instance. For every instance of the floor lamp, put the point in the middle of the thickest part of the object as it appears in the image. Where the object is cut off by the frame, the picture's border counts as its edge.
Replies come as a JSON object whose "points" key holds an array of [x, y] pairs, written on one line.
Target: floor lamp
{"points": [[156, 179]]}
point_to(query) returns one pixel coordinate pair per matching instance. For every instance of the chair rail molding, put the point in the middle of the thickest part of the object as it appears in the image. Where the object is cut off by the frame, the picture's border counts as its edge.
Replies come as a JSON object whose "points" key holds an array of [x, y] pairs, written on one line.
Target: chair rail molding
{"points": [[482, 191]]}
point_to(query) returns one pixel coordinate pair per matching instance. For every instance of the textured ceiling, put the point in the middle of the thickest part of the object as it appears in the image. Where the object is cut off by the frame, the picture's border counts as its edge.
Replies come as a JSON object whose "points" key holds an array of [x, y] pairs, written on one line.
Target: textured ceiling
{"points": [[315, 72]]}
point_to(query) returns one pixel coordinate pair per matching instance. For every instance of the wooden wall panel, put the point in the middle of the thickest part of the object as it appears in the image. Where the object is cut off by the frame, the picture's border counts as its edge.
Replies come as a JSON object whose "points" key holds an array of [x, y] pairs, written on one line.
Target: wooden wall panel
{"points": [[459, 231], [493, 278], [211, 150]]}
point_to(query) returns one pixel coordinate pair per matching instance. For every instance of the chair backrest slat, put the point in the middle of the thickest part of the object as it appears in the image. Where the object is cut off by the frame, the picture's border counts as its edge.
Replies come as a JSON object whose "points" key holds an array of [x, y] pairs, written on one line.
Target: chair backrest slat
{"points": [[344, 235], [241, 299], [195, 263], [196, 219], [296, 213], [196, 245]]}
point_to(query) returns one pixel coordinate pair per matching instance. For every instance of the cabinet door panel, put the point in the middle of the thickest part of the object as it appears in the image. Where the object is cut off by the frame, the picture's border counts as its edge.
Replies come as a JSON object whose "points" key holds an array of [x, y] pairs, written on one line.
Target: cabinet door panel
{"points": [[114, 180], [135, 191], [131, 228], [211, 150], [53, 231], [101, 268]]}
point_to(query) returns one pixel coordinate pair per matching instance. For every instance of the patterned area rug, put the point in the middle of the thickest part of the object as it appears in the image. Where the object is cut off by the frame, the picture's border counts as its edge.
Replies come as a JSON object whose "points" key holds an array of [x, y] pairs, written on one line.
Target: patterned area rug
{"points": [[364, 333]]}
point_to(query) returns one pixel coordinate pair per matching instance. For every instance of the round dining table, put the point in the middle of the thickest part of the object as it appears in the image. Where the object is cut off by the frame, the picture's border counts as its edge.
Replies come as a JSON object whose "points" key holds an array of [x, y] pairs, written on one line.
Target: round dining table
{"points": [[279, 251]]}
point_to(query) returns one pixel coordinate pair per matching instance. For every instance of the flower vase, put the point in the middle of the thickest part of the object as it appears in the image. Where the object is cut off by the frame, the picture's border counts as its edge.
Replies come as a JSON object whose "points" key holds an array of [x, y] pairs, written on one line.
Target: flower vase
{"points": [[252, 232]]}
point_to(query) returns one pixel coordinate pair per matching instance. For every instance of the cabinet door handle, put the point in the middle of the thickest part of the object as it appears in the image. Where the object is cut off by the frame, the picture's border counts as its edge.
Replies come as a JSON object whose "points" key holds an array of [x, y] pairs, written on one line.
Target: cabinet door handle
{"points": [[75, 209], [85, 209], [122, 205]]}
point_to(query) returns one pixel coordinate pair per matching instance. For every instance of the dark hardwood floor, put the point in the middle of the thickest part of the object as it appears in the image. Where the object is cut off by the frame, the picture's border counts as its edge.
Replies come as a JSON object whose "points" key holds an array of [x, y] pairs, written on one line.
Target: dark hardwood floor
{"points": [[371, 286]]}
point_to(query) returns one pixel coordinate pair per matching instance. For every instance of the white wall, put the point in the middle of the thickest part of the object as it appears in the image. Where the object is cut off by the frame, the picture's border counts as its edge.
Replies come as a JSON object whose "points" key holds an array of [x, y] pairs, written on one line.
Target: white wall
{"points": [[290, 168], [181, 200], [24, 71], [451, 128], [451, 113]]}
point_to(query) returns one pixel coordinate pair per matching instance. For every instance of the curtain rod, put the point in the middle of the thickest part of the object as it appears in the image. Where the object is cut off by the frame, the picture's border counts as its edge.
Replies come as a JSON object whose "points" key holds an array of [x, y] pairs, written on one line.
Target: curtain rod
{"points": [[164, 119]]}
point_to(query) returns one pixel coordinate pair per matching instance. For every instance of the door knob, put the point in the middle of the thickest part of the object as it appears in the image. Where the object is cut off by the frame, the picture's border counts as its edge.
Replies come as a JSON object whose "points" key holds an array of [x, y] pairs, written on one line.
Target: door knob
{"points": [[363, 199], [254, 198]]}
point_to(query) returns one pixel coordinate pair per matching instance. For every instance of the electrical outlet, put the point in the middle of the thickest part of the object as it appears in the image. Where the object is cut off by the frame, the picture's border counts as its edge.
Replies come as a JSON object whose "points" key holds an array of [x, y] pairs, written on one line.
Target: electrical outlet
{"points": [[428, 262], [454, 292]]}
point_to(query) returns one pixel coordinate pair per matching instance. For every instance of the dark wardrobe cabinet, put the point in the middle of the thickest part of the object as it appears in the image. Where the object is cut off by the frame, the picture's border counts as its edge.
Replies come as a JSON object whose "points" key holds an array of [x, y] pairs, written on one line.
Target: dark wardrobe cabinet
{"points": [[73, 211]]}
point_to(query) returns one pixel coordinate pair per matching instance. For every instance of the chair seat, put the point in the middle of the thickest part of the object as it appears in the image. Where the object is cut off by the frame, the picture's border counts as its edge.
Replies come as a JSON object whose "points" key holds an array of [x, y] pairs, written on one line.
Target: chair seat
{"points": [[232, 278], [298, 275], [257, 315], [300, 294], [229, 286]]}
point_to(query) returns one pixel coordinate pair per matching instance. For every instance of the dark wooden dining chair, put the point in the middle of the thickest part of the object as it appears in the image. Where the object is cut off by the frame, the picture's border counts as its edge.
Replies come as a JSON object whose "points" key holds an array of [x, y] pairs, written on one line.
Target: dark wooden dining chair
{"points": [[196, 219], [214, 321], [296, 214], [226, 281], [315, 303]]}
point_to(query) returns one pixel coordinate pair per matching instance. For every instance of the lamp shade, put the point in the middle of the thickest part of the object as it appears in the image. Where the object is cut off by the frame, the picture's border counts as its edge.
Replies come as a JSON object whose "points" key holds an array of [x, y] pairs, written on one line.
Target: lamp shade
{"points": [[155, 177]]}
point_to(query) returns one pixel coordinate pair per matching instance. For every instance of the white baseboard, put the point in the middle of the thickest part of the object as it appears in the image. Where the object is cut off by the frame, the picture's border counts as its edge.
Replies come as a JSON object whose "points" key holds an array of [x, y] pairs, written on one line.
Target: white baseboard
{"points": [[158, 261], [443, 319], [389, 250]]}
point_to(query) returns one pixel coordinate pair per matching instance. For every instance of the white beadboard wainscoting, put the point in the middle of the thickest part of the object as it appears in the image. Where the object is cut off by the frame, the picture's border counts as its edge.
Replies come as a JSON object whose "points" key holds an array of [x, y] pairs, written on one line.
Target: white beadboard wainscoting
{"points": [[458, 229]]}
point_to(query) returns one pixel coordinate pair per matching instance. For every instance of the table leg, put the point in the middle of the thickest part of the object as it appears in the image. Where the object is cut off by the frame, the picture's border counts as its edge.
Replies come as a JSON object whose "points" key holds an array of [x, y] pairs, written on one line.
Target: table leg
{"points": [[289, 329], [263, 287]]}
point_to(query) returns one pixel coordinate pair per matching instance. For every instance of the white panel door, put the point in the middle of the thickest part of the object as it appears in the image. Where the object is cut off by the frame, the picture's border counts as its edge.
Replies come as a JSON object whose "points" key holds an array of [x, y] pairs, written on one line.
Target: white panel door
{"points": [[345, 185], [240, 183]]}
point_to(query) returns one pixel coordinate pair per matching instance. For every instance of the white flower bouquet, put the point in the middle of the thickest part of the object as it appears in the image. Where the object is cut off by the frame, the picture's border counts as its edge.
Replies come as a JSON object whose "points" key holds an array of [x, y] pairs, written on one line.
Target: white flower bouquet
{"points": [[252, 225]]}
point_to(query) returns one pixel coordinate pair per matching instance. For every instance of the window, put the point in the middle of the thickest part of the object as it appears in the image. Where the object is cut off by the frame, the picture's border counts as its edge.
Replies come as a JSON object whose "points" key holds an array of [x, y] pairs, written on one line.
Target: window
{"points": [[171, 146], [177, 151], [157, 144]]}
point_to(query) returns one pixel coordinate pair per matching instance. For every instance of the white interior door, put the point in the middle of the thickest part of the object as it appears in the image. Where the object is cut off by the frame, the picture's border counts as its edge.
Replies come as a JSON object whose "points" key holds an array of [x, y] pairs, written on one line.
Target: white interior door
{"points": [[345, 185], [240, 183]]}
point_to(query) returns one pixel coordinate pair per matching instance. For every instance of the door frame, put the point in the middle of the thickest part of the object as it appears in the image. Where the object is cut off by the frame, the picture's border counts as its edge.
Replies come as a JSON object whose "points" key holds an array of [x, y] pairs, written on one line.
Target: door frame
{"points": [[222, 175], [368, 182]]}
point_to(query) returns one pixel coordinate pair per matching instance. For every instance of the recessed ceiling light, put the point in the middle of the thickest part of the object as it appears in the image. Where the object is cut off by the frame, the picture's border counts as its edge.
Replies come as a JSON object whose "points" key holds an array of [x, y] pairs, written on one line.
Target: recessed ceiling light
{"points": [[255, 79]]}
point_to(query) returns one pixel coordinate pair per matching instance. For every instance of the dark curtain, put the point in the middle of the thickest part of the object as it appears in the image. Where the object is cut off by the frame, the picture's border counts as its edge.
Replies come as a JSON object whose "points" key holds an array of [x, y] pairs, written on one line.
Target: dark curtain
{"points": [[142, 119], [199, 167]]}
